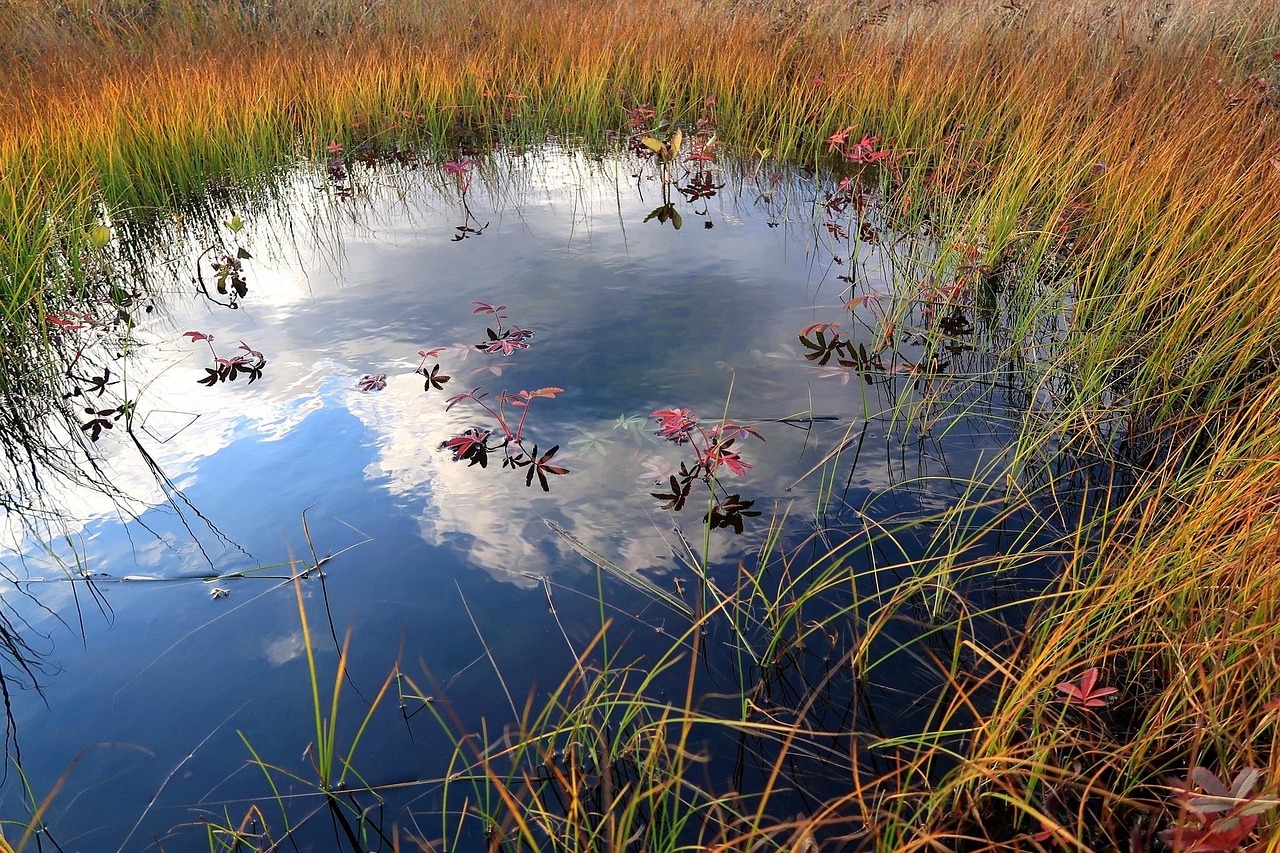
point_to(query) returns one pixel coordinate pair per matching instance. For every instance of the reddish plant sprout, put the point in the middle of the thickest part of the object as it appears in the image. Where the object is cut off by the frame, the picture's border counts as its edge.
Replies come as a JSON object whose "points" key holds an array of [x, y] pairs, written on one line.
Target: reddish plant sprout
{"points": [[435, 379], [729, 430], [70, 321], [461, 171], [471, 446], [523, 400], [1222, 817], [506, 343], [675, 424], [865, 151], [837, 140], [639, 118], [505, 340], [713, 449], [476, 444], [862, 152], [372, 382], [476, 394], [825, 342], [1048, 833], [823, 349], [819, 327], [250, 362], [720, 454], [1086, 693], [494, 310]]}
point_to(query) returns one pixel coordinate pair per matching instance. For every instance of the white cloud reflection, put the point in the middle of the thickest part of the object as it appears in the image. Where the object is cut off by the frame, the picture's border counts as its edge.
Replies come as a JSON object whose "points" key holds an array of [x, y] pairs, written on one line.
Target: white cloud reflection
{"points": [[629, 317]]}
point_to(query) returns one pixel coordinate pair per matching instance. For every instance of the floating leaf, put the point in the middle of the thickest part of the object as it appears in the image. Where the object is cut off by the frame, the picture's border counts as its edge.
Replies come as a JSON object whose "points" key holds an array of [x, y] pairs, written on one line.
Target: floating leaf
{"points": [[372, 382]]}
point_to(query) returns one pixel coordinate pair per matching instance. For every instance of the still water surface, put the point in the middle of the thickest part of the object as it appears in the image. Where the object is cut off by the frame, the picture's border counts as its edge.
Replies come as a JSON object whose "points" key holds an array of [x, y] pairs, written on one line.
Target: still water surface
{"points": [[151, 687]]}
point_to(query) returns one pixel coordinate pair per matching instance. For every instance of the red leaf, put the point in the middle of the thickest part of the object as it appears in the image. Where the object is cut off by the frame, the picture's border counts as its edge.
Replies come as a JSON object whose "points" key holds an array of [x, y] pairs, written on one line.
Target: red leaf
{"points": [[1085, 694], [549, 392]]}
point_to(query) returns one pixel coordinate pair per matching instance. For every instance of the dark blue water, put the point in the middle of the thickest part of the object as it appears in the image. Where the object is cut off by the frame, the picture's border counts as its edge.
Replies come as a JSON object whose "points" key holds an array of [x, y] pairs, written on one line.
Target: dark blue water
{"points": [[153, 691]]}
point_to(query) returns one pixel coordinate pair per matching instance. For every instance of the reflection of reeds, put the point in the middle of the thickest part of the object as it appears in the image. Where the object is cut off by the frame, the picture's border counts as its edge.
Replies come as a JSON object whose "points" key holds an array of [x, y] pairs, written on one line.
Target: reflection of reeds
{"points": [[1119, 158]]}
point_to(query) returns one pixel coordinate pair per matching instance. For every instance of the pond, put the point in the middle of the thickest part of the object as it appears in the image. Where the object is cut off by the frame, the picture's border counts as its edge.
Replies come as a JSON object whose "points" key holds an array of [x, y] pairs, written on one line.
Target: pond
{"points": [[321, 451]]}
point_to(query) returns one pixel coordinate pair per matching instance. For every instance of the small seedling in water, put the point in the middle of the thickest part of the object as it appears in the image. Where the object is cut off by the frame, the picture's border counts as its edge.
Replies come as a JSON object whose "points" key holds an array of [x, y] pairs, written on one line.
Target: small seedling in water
{"points": [[713, 449], [473, 445], [249, 363], [372, 382]]}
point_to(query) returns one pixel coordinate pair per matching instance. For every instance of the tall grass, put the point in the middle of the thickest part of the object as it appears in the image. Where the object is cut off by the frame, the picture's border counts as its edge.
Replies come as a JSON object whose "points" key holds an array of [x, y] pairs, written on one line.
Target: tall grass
{"points": [[1119, 159]]}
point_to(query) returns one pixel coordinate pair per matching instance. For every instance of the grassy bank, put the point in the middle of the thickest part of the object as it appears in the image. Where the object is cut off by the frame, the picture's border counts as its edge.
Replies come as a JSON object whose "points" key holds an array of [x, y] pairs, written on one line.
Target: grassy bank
{"points": [[1128, 151]]}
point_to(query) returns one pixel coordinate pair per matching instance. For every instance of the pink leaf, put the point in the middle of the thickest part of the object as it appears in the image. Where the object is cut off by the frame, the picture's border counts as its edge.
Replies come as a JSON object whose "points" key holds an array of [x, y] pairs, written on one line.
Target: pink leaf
{"points": [[1085, 695]]}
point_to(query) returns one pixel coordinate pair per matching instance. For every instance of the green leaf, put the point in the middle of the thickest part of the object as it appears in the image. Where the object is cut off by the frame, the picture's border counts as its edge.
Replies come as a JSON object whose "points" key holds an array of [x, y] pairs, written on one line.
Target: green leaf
{"points": [[243, 254], [676, 219], [99, 236], [235, 223]]}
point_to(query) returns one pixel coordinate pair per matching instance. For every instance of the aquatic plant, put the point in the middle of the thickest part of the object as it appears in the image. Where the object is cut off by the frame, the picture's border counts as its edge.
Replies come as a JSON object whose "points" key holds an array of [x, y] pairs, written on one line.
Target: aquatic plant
{"points": [[250, 362], [713, 449], [472, 445]]}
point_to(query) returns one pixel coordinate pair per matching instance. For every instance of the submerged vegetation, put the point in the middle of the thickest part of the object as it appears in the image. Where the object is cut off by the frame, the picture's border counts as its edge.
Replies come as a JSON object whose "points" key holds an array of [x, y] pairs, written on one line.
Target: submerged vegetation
{"points": [[1100, 186]]}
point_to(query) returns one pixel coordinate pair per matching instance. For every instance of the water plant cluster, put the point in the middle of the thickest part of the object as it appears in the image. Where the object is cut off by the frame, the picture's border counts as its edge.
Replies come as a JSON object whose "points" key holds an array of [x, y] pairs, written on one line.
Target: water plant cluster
{"points": [[1085, 194]]}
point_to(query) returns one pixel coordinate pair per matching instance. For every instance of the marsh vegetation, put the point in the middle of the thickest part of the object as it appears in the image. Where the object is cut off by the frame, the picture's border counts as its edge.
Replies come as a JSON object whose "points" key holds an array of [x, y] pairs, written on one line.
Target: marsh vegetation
{"points": [[934, 343]]}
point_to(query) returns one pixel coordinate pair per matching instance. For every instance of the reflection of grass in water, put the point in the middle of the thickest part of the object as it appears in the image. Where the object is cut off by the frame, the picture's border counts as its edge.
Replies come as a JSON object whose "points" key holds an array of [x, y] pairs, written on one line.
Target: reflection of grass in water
{"points": [[1127, 152], [785, 664]]}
